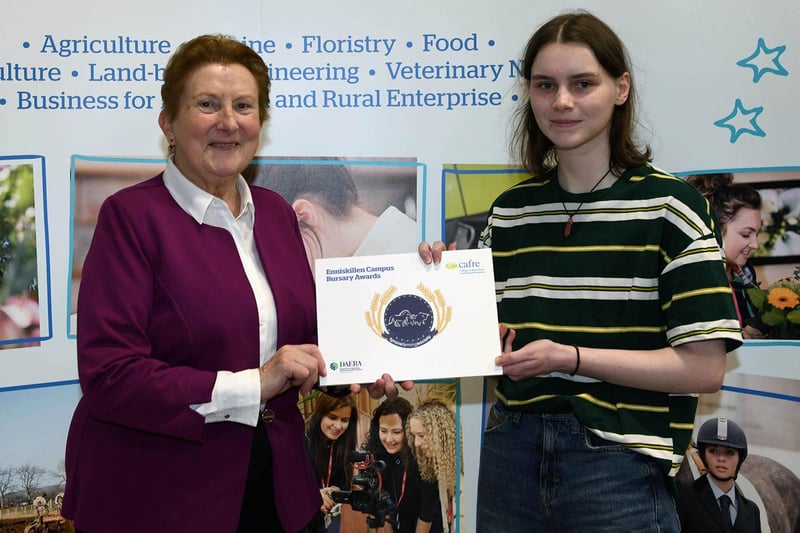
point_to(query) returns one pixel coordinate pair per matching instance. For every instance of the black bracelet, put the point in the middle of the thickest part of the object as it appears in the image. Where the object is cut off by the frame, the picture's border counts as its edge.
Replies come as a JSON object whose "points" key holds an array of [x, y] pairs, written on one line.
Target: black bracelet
{"points": [[577, 361]]}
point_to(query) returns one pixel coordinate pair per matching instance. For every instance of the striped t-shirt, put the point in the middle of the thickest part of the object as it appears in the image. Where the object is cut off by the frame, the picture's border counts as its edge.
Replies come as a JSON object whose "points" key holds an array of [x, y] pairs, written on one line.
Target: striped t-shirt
{"points": [[641, 269]]}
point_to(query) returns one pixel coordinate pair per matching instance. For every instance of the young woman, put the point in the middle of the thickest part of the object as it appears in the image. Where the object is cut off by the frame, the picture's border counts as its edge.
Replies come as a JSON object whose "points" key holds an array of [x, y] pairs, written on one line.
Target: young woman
{"points": [[330, 436], [738, 210], [432, 427], [613, 301], [388, 442]]}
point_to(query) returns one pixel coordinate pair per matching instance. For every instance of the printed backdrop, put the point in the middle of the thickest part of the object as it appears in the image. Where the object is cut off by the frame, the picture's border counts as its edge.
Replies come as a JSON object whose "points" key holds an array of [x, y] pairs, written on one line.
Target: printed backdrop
{"points": [[433, 83]]}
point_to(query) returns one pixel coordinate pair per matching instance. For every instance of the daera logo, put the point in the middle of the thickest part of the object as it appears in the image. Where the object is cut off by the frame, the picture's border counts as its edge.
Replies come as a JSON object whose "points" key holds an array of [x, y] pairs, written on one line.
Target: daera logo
{"points": [[345, 366]]}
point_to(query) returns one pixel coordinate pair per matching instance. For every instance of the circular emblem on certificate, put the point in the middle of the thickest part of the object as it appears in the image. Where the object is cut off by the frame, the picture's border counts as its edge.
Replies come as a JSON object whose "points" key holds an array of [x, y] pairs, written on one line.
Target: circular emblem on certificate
{"points": [[408, 320]]}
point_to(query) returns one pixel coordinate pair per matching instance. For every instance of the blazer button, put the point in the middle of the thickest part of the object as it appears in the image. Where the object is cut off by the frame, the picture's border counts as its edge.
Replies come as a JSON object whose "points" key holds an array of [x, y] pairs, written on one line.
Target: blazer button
{"points": [[268, 415]]}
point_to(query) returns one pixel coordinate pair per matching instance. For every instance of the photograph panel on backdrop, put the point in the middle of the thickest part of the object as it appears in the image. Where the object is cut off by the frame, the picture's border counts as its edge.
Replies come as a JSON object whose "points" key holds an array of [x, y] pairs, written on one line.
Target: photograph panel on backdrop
{"points": [[93, 180], [388, 462], [469, 190], [759, 215], [349, 206], [345, 206], [32, 443], [768, 458], [25, 317]]}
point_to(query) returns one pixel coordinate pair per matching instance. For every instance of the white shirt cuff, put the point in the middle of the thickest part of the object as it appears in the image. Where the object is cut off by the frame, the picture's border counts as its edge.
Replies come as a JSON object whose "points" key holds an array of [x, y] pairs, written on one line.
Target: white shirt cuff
{"points": [[236, 398]]}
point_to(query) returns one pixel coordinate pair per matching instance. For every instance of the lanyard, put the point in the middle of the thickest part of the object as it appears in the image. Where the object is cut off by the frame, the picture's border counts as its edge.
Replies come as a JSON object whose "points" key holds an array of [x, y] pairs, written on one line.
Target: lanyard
{"points": [[450, 513], [330, 468], [402, 487]]}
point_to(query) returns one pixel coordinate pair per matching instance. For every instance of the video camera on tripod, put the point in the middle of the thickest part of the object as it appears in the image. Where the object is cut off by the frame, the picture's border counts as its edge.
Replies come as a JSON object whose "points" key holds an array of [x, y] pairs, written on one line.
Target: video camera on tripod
{"points": [[370, 499]]}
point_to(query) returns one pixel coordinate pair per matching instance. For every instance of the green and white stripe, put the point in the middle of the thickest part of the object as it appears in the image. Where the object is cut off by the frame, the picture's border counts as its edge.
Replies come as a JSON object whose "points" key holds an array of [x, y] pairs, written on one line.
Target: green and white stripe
{"points": [[641, 269]]}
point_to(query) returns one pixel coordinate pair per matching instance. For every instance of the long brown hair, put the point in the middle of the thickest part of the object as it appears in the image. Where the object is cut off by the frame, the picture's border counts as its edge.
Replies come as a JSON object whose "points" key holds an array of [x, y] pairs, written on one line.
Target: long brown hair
{"points": [[318, 443], [392, 406], [535, 151], [725, 196]]}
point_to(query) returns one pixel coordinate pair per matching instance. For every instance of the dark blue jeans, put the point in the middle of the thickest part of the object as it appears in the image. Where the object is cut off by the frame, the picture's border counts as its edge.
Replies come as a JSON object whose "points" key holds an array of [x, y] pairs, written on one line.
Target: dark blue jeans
{"points": [[547, 473]]}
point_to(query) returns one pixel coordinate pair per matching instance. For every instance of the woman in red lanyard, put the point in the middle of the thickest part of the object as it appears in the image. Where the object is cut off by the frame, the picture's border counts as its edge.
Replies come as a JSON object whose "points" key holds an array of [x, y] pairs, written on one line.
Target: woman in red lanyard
{"points": [[330, 435], [387, 441]]}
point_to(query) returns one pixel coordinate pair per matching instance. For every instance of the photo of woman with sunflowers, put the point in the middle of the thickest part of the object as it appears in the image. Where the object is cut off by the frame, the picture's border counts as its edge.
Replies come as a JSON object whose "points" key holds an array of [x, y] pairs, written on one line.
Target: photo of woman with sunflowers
{"points": [[747, 221], [738, 210]]}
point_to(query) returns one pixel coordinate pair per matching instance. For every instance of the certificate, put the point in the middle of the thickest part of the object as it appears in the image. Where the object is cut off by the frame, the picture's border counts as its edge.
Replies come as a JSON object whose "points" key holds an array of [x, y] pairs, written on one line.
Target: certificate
{"points": [[394, 314]]}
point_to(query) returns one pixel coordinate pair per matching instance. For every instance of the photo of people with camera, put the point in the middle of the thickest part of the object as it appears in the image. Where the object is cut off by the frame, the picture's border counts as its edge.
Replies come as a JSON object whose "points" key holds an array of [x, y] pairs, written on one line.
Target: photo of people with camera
{"points": [[368, 459]]}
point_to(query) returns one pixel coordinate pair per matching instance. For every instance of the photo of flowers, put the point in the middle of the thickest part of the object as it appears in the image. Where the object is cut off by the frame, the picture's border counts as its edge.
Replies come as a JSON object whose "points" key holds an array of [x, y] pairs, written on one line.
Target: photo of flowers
{"points": [[778, 308], [776, 295], [779, 238]]}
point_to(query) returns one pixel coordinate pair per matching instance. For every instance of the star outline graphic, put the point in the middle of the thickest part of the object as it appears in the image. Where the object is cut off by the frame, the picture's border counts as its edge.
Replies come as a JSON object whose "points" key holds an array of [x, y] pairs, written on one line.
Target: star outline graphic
{"points": [[758, 72], [739, 109]]}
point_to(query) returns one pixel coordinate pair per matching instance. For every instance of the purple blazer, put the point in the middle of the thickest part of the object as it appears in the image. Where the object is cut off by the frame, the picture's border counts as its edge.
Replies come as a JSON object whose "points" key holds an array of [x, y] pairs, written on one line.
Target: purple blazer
{"points": [[164, 304]]}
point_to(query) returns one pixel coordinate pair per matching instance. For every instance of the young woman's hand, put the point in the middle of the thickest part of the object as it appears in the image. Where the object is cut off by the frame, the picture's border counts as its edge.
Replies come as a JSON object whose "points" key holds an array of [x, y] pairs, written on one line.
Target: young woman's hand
{"points": [[432, 253], [383, 386], [536, 358]]}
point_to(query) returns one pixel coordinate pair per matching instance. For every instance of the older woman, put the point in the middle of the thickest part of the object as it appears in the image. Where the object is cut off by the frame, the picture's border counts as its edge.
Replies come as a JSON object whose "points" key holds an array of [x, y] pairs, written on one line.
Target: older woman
{"points": [[198, 327]]}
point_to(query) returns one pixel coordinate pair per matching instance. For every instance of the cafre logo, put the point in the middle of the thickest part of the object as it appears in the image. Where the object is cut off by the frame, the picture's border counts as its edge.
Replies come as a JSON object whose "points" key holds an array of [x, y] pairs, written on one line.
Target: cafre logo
{"points": [[408, 320]]}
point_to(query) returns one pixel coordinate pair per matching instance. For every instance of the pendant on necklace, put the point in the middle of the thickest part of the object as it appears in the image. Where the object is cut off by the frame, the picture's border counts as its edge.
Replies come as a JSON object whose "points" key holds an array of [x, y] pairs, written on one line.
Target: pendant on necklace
{"points": [[568, 225]]}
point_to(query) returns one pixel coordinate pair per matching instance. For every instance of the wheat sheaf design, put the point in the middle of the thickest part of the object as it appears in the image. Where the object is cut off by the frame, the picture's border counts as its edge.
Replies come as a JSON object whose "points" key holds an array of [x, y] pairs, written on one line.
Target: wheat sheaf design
{"points": [[443, 311], [379, 302], [376, 308]]}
